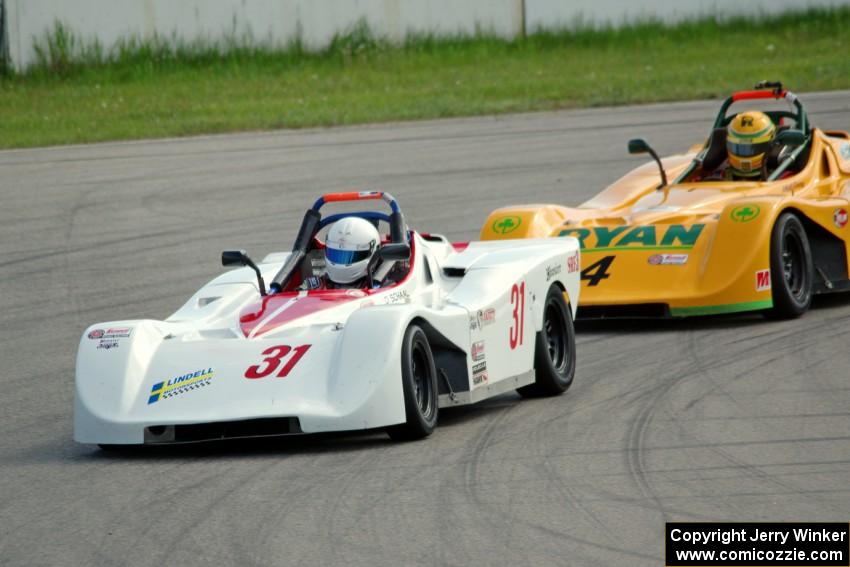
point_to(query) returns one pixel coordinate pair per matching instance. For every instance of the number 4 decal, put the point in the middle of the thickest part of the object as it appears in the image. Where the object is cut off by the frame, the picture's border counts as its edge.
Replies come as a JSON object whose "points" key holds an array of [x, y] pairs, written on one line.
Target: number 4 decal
{"points": [[274, 355], [515, 334], [598, 271]]}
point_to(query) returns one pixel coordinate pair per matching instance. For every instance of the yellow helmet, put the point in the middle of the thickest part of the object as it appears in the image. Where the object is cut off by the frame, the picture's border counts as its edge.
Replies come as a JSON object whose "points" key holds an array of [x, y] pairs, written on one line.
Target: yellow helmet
{"points": [[747, 140]]}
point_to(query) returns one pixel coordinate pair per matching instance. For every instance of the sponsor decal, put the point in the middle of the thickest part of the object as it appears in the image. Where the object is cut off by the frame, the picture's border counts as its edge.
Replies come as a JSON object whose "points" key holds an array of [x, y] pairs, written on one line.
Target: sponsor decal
{"points": [[744, 213], [180, 385], [366, 193], [356, 293], [573, 263], [109, 338], [839, 217], [118, 333], [762, 280], [638, 237], [313, 282], [668, 259], [552, 271], [482, 318], [477, 351], [400, 296], [480, 367], [505, 225], [479, 378]]}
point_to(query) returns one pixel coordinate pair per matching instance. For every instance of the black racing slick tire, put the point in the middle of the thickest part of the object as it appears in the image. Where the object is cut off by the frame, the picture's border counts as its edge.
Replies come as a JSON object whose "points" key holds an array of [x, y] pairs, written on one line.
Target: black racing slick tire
{"points": [[791, 271], [419, 382], [554, 349]]}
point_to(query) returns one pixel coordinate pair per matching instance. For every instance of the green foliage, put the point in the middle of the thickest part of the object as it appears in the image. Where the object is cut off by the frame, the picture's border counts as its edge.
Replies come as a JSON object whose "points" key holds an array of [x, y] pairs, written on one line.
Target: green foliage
{"points": [[80, 91]]}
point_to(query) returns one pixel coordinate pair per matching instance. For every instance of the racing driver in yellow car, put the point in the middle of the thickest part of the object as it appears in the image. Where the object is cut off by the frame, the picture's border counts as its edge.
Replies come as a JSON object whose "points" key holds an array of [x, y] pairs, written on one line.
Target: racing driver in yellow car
{"points": [[749, 141]]}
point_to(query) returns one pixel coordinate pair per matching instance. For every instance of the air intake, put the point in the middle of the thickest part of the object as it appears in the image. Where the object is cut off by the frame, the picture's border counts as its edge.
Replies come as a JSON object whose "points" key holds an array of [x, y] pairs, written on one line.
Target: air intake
{"points": [[194, 432]]}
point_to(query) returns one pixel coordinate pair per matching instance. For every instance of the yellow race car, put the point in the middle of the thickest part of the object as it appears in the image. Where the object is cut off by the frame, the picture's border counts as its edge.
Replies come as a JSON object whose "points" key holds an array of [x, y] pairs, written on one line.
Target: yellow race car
{"points": [[709, 241]]}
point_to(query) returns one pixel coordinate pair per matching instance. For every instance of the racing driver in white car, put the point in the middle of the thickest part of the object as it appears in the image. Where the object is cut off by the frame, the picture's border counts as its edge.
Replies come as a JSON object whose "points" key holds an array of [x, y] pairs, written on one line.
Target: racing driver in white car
{"points": [[350, 246]]}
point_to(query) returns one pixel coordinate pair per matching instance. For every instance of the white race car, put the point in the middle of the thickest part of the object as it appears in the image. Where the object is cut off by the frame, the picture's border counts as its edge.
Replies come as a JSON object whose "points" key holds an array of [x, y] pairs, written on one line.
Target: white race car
{"points": [[458, 323]]}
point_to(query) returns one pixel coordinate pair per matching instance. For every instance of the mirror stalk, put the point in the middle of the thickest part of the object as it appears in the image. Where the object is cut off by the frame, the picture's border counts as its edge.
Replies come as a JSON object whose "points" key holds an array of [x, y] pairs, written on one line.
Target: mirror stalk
{"points": [[240, 258], [641, 146], [260, 281], [660, 168]]}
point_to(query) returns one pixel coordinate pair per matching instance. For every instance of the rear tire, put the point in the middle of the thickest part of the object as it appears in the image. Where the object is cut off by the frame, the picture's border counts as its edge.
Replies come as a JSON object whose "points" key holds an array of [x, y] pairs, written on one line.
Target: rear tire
{"points": [[791, 271], [554, 349], [419, 382]]}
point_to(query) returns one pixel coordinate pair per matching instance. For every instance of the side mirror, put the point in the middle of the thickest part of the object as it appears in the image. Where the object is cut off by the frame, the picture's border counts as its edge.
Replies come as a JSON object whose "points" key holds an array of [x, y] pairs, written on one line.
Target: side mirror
{"points": [[791, 138], [240, 258], [641, 146], [234, 258], [394, 252]]}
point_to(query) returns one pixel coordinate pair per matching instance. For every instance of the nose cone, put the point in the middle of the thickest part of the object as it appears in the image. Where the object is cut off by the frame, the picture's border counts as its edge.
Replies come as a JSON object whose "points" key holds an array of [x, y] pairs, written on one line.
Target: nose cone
{"points": [[208, 381]]}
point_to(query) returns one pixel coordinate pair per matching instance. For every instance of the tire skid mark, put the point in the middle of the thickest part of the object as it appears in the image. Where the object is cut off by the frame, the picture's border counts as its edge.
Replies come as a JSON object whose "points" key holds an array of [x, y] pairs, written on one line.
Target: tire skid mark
{"points": [[638, 432], [750, 470], [471, 476], [635, 441], [568, 494], [763, 475], [703, 370], [473, 467]]}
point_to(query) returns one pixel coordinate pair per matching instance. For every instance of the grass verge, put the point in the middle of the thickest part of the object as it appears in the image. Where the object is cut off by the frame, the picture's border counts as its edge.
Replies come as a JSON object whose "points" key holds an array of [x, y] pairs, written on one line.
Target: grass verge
{"points": [[80, 92]]}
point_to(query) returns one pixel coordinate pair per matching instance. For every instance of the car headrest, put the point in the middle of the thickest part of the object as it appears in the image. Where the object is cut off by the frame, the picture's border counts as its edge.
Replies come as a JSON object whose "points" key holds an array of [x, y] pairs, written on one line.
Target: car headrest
{"points": [[715, 151]]}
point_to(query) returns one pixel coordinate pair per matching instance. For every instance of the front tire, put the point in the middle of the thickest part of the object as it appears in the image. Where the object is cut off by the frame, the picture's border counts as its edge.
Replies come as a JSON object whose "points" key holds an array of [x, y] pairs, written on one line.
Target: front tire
{"points": [[791, 271], [419, 382], [554, 349]]}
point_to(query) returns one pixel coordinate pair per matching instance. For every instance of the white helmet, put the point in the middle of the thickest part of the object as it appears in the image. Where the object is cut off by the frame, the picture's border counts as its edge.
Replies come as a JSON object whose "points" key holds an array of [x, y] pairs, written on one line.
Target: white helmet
{"points": [[348, 248]]}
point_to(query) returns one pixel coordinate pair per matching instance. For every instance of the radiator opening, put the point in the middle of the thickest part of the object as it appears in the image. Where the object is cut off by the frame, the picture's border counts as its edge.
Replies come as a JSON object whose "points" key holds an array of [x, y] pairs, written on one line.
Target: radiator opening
{"points": [[194, 432]]}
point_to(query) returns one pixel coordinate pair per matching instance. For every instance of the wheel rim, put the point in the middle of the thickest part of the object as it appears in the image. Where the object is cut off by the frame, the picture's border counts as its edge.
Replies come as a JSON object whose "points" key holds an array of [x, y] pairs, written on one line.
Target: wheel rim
{"points": [[555, 326], [422, 383], [793, 271]]}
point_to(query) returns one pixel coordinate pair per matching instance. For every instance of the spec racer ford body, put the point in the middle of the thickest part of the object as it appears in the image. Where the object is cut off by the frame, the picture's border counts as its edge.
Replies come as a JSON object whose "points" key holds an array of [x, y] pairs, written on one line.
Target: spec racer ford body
{"points": [[707, 243], [458, 324]]}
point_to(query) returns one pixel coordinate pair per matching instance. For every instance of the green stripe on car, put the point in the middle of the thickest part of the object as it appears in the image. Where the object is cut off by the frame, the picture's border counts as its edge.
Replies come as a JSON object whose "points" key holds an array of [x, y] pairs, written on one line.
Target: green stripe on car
{"points": [[718, 309]]}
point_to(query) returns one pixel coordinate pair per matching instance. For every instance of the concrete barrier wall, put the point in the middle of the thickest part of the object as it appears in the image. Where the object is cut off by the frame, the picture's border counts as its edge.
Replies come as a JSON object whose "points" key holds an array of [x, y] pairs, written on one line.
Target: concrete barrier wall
{"points": [[317, 21], [553, 14], [274, 21]]}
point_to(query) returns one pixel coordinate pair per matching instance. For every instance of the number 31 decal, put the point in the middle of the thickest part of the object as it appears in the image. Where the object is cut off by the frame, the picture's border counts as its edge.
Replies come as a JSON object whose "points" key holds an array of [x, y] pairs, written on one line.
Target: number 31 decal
{"points": [[518, 302], [274, 356]]}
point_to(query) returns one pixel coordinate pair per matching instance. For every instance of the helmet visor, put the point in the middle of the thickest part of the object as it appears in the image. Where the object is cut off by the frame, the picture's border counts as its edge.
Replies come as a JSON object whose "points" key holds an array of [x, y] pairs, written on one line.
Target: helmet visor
{"points": [[747, 150], [345, 257]]}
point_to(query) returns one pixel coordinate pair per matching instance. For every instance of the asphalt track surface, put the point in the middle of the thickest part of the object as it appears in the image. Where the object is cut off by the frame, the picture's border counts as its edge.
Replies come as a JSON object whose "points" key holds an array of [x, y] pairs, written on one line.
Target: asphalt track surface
{"points": [[707, 419]]}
